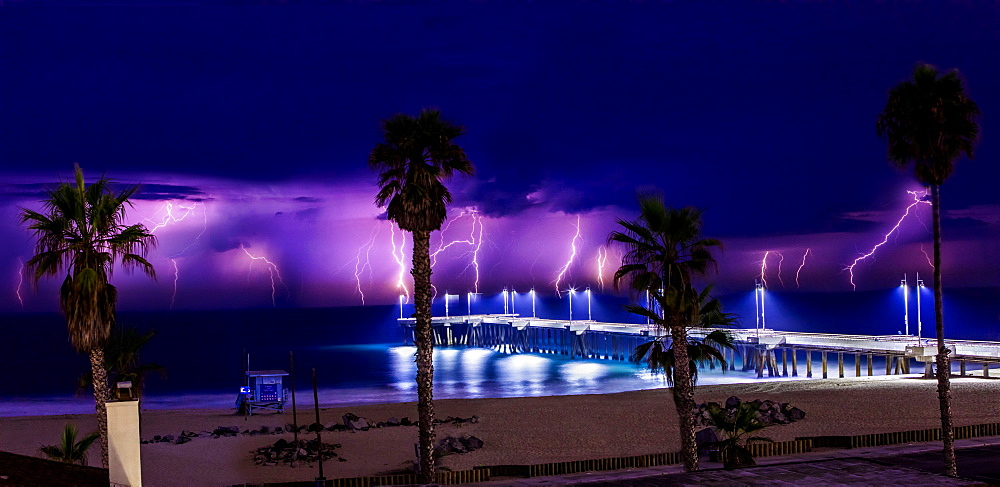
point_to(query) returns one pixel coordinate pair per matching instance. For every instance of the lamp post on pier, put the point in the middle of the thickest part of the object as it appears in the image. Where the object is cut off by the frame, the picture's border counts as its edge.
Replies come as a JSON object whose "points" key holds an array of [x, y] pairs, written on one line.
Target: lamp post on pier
{"points": [[758, 299], [589, 315], [920, 284], [532, 292], [400, 306], [906, 305], [571, 291]]}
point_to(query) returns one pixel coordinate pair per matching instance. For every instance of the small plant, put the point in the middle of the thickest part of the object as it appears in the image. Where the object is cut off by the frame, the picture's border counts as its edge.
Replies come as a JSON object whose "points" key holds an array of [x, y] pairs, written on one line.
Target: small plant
{"points": [[738, 421], [69, 450]]}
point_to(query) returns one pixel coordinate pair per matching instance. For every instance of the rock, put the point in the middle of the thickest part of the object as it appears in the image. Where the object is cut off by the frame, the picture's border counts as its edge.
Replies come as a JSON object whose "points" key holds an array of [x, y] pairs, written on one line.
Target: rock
{"points": [[278, 430], [732, 402], [265, 430], [225, 431], [182, 439], [473, 443], [356, 423], [796, 414], [405, 422], [315, 427], [393, 421]]}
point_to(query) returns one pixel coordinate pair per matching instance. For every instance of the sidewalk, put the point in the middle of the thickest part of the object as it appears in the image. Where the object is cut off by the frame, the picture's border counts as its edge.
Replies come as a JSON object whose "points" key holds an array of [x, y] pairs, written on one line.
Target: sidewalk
{"points": [[907, 464]]}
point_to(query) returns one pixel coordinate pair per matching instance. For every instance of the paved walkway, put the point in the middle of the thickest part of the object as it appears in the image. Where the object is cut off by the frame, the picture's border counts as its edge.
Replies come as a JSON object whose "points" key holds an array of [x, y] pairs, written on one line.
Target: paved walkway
{"points": [[908, 464]]}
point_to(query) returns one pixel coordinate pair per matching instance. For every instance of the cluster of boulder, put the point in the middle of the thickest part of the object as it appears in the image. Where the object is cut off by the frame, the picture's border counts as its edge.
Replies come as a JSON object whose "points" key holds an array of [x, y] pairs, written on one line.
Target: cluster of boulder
{"points": [[352, 422], [452, 444], [767, 412], [288, 452]]}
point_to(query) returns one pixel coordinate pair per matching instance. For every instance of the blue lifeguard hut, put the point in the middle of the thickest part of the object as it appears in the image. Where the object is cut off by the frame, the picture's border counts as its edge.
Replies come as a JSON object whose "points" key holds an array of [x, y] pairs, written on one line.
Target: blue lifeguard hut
{"points": [[264, 391]]}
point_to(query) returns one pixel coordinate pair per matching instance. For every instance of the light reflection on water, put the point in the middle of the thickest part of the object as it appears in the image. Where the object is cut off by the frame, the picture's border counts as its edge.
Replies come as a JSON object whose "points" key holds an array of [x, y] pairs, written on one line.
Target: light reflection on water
{"points": [[389, 376]]}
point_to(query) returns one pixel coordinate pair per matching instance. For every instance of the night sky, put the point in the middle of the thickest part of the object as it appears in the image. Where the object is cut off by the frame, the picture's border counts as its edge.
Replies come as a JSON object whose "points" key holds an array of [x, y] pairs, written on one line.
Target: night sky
{"points": [[250, 130]]}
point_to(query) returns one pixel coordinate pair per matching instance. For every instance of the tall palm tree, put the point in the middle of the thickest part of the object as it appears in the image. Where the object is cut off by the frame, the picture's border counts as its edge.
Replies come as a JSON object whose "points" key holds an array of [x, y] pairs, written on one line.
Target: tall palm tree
{"points": [[663, 250], [416, 155], [930, 122], [82, 232], [658, 353]]}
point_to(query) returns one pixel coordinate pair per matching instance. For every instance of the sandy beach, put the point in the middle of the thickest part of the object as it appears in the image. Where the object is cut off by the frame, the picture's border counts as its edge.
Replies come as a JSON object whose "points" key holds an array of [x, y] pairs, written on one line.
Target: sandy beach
{"points": [[518, 430]]}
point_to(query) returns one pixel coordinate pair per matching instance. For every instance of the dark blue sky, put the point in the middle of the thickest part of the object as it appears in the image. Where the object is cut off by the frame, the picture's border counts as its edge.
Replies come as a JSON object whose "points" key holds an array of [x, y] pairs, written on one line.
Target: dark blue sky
{"points": [[764, 115]]}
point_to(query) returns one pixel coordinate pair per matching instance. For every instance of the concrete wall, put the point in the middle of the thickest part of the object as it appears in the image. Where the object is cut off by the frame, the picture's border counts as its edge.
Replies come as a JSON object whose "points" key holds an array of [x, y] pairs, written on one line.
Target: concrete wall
{"points": [[124, 466]]}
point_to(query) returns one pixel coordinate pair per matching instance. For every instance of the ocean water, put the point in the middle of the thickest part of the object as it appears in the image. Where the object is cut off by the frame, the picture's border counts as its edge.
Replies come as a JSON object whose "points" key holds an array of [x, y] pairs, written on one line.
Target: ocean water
{"points": [[359, 356]]}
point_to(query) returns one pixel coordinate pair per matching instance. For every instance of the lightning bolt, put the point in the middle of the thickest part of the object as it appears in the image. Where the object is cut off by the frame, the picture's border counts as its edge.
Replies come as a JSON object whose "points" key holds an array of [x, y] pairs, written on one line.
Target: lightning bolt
{"points": [[177, 276], [475, 241], [272, 269], [399, 256], [763, 268], [917, 199], [169, 216], [803, 264], [928, 257], [20, 281], [572, 256], [602, 261], [359, 267]]}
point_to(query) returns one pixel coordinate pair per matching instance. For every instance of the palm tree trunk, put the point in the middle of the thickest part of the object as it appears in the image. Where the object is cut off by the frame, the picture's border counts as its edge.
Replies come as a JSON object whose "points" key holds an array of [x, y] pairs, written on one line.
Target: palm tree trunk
{"points": [[684, 398], [421, 271], [943, 361], [101, 394]]}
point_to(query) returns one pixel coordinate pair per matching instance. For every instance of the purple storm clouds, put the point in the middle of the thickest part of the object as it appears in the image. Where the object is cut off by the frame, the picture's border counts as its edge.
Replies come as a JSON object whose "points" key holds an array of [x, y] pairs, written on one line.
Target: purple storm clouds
{"points": [[226, 244]]}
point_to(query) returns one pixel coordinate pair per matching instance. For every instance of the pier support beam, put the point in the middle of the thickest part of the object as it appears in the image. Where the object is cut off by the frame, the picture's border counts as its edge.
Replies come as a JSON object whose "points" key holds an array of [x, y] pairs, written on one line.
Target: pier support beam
{"points": [[840, 364], [823, 355], [809, 364], [857, 365], [795, 368], [961, 368], [986, 369], [928, 369], [888, 365], [871, 358], [784, 362]]}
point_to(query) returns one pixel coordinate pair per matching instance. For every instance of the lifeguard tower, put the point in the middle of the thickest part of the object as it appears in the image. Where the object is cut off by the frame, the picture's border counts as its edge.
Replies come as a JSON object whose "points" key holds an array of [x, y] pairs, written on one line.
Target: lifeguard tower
{"points": [[264, 391]]}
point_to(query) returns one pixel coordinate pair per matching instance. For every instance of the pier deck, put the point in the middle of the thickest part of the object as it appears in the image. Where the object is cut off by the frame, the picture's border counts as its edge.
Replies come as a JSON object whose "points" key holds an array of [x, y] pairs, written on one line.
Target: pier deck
{"points": [[758, 349]]}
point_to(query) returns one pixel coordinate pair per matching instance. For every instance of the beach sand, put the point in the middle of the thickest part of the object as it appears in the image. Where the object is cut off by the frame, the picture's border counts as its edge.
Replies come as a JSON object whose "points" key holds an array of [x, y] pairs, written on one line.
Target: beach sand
{"points": [[519, 430]]}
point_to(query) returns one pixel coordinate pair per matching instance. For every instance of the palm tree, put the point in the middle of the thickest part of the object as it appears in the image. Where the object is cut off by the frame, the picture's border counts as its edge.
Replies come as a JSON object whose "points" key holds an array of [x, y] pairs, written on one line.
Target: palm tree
{"points": [[930, 122], [69, 450], [664, 248], [415, 157], [658, 353], [121, 360], [82, 233]]}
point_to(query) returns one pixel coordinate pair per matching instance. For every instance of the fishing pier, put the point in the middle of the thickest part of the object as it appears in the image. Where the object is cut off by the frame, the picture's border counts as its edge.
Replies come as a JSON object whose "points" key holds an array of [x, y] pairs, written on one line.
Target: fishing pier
{"points": [[768, 352]]}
